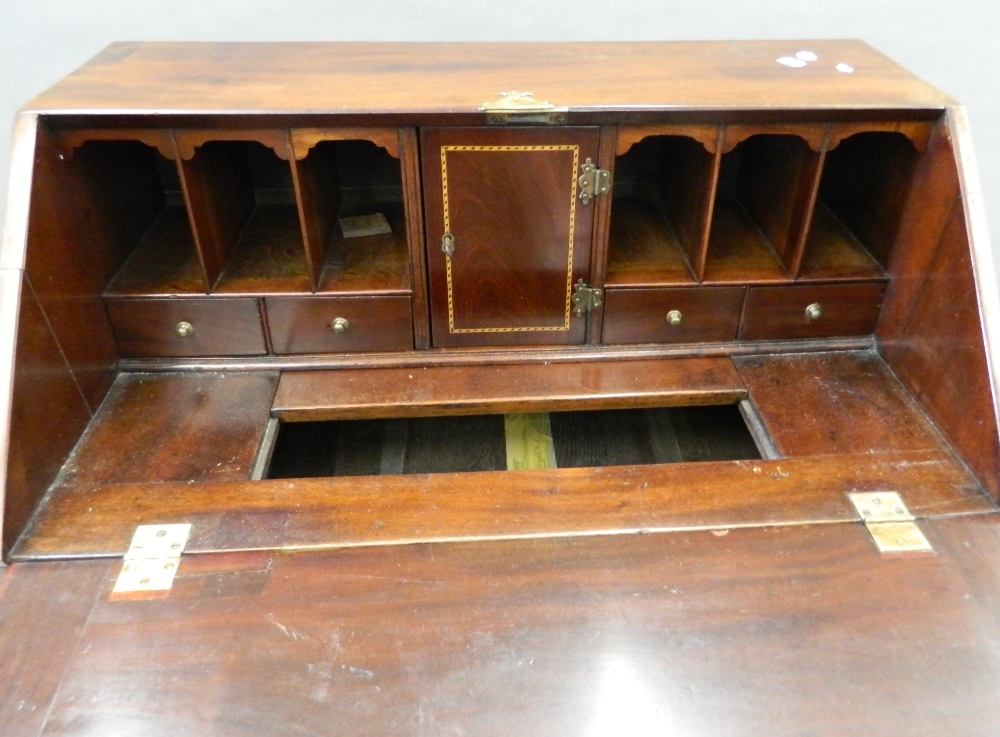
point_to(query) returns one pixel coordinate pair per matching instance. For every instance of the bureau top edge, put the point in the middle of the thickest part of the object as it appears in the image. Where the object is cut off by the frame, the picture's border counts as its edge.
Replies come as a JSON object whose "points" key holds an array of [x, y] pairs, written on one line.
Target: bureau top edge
{"points": [[458, 78], [220, 119]]}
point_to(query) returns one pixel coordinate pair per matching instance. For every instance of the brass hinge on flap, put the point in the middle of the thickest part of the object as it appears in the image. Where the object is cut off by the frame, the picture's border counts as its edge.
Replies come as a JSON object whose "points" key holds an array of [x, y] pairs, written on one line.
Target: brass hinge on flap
{"points": [[520, 108], [152, 558], [585, 298], [889, 522], [593, 181]]}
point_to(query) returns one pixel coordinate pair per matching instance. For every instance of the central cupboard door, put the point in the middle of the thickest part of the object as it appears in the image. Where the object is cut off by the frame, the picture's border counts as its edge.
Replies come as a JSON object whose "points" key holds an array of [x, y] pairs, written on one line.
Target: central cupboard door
{"points": [[506, 204]]}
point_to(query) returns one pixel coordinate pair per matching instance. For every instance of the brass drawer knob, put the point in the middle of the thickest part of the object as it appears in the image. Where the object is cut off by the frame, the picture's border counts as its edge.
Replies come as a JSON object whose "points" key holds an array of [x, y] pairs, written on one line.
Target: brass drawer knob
{"points": [[674, 318], [339, 325], [814, 311], [184, 329]]}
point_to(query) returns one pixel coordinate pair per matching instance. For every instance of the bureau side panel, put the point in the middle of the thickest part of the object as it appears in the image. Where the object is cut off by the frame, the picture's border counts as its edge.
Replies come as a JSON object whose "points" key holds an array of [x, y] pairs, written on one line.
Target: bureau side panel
{"points": [[74, 247], [48, 412], [935, 323]]}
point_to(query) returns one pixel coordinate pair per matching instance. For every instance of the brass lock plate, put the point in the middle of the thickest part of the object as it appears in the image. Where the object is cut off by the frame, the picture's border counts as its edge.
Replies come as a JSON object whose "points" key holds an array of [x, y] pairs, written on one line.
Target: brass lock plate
{"points": [[521, 108]]}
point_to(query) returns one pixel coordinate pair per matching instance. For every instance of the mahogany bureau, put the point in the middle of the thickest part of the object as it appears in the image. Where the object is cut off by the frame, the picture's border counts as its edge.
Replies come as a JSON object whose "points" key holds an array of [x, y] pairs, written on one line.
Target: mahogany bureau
{"points": [[299, 297]]}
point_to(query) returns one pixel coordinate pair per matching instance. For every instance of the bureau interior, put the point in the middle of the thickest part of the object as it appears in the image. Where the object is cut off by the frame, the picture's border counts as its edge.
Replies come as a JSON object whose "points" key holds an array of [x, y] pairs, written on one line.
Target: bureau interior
{"points": [[255, 223], [756, 214], [747, 229], [257, 215]]}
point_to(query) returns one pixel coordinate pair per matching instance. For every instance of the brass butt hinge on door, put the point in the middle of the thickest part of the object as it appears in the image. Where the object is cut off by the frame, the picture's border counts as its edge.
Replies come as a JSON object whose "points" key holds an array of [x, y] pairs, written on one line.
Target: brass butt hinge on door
{"points": [[152, 558], [889, 522], [593, 182], [585, 298]]}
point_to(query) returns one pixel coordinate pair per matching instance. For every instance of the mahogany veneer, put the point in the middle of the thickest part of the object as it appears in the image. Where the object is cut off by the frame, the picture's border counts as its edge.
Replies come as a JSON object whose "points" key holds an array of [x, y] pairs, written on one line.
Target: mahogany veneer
{"points": [[209, 242], [417, 392], [756, 631]]}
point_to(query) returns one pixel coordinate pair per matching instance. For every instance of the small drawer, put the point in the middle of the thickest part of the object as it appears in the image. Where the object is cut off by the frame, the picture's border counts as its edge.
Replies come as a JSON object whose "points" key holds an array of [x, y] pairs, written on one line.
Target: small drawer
{"points": [[209, 326], [339, 324], [812, 311], [683, 315]]}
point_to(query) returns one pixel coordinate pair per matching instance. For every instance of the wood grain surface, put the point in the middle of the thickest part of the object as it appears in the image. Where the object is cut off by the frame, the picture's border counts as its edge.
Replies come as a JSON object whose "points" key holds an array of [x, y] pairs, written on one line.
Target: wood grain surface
{"points": [[629, 135], [933, 192], [48, 410], [373, 264], [268, 258], [43, 612], [218, 190], [162, 139], [601, 229], [87, 214], [753, 632], [738, 252], [99, 520], [222, 327], [943, 361], [522, 237], [833, 253], [456, 599], [443, 390], [640, 315], [931, 333], [164, 263], [488, 356], [413, 204], [643, 250], [189, 140], [174, 427], [918, 131], [304, 324], [305, 139], [372, 78], [865, 182], [736, 133], [673, 177], [777, 183], [778, 312], [835, 403]]}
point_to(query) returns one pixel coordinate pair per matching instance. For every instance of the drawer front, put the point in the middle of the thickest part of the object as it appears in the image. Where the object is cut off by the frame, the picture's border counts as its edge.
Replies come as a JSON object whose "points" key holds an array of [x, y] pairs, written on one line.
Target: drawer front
{"points": [[156, 328], [825, 311], [339, 324], [685, 315]]}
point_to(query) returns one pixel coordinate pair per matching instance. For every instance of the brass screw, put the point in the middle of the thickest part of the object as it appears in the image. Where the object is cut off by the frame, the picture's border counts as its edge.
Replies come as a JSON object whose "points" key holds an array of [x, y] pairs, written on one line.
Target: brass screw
{"points": [[674, 318]]}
